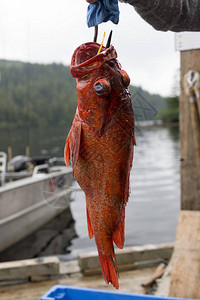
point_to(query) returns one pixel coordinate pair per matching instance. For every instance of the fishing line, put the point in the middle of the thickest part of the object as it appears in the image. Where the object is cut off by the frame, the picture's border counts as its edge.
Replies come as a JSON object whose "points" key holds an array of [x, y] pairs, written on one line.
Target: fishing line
{"points": [[104, 34]]}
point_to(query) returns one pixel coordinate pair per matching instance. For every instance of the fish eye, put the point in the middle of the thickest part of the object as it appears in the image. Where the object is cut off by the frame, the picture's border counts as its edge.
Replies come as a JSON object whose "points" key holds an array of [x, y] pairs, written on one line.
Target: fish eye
{"points": [[125, 78], [102, 87]]}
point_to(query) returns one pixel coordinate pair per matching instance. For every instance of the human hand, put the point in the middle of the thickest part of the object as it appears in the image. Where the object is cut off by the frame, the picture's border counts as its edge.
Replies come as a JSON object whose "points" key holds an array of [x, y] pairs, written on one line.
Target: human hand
{"points": [[91, 1]]}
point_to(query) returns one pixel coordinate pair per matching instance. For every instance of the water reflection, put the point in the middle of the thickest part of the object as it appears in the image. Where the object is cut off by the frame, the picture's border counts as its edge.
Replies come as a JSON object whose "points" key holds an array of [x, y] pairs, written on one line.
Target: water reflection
{"points": [[48, 141]]}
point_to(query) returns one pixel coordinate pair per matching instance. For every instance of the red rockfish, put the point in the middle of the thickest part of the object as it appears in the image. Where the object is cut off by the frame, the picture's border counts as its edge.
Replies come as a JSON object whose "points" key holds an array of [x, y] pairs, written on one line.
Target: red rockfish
{"points": [[100, 146]]}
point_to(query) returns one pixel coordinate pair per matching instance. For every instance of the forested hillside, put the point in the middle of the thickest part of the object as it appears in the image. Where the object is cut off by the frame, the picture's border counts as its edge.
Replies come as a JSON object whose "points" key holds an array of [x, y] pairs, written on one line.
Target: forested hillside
{"points": [[40, 95]]}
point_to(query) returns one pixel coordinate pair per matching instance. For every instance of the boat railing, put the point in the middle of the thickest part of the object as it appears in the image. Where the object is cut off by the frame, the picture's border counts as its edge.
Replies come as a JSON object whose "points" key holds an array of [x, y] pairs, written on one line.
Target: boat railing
{"points": [[37, 170], [3, 160]]}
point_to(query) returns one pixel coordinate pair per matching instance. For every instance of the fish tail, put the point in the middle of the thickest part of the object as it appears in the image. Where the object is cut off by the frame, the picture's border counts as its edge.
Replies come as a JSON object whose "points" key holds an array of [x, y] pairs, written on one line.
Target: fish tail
{"points": [[109, 269]]}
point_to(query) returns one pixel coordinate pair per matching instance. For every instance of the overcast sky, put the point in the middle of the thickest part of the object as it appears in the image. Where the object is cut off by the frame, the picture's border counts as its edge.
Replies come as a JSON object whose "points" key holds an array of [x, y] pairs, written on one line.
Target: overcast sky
{"points": [[47, 31]]}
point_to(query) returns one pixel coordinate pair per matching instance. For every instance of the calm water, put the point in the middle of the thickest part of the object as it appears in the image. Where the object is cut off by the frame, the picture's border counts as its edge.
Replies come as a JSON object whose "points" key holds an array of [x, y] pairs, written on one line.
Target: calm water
{"points": [[152, 210], [48, 141]]}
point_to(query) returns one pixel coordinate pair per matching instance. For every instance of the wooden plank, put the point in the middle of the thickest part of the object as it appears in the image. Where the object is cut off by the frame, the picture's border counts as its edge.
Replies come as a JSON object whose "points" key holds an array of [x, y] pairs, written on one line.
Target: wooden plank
{"points": [[185, 274], [128, 258], [70, 267], [190, 183], [130, 282], [164, 283], [157, 274], [195, 121], [31, 267]]}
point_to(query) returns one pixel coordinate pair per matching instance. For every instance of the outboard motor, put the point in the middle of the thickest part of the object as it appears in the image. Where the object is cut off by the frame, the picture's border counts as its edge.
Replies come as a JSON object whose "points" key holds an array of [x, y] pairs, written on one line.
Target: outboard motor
{"points": [[19, 163]]}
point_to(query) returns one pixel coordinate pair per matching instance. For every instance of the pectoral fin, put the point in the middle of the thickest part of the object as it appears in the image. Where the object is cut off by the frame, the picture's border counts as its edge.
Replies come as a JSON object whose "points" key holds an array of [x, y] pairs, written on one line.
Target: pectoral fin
{"points": [[72, 145], [67, 151]]}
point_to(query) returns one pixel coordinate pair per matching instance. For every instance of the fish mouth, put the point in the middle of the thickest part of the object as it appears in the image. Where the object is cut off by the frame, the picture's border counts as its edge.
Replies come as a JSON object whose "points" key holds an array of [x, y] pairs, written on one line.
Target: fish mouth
{"points": [[85, 58]]}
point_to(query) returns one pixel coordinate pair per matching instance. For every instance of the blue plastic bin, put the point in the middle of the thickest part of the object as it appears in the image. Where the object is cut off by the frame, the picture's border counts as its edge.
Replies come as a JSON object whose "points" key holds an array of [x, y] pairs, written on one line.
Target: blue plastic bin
{"points": [[62, 292]]}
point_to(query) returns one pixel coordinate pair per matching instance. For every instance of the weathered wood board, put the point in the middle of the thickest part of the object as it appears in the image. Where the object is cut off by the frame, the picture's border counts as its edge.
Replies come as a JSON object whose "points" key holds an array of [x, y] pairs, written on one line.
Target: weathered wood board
{"points": [[190, 183], [23, 269], [128, 258], [185, 274]]}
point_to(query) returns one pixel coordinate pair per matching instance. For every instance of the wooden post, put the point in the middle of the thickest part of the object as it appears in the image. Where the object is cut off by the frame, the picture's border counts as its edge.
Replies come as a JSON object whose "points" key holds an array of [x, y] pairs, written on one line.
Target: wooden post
{"points": [[185, 275], [28, 152], [190, 185], [9, 153]]}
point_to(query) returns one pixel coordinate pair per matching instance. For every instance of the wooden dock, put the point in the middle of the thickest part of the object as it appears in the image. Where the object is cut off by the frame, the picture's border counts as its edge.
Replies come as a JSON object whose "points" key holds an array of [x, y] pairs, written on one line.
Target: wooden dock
{"points": [[30, 279]]}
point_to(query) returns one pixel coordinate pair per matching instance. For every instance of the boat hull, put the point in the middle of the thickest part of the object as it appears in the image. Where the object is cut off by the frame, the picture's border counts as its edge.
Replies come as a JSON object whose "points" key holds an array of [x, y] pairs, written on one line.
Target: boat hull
{"points": [[27, 204]]}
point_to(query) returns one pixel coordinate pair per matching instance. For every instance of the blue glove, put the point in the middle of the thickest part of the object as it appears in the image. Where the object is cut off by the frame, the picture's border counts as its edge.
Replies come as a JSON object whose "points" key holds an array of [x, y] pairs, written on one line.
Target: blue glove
{"points": [[102, 11]]}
